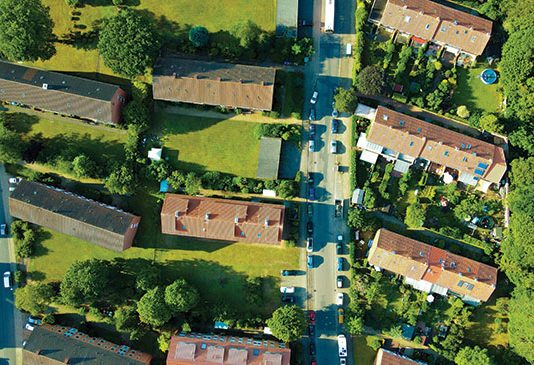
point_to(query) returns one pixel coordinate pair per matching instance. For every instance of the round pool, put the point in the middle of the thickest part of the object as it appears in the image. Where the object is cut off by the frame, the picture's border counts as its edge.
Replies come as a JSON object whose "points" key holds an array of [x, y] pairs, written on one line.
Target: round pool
{"points": [[488, 76]]}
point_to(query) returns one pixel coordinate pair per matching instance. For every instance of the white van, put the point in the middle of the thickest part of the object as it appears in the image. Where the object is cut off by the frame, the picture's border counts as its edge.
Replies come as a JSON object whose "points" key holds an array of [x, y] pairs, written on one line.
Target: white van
{"points": [[348, 50], [287, 289], [7, 279]]}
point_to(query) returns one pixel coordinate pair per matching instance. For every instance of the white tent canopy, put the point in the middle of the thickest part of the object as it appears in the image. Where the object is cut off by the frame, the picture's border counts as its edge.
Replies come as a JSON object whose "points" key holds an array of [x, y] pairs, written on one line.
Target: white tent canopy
{"points": [[155, 154]]}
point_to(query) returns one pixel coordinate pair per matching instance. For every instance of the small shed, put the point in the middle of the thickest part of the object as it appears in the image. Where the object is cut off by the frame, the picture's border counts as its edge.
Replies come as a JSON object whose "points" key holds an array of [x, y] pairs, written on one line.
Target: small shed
{"points": [[357, 197], [365, 111], [408, 332], [269, 158], [155, 154]]}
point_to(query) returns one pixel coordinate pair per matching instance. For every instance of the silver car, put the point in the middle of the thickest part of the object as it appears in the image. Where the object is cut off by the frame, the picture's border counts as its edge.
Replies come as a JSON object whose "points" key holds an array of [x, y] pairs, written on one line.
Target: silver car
{"points": [[333, 147], [312, 146]]}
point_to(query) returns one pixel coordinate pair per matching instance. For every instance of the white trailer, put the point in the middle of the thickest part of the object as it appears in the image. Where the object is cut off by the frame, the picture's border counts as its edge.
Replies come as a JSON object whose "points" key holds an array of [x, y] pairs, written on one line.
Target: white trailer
{"points": [[329, 13], [342, 345]]}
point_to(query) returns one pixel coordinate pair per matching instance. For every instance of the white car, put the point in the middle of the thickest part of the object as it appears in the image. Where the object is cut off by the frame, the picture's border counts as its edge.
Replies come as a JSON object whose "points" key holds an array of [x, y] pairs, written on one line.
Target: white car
{"points": [[340, 238], [3, 229], [333, 147], [314, 97], [339, 299], [7, 280], [287, 289], [309, 244], [311, 147], [29, 327], [15, 180]]}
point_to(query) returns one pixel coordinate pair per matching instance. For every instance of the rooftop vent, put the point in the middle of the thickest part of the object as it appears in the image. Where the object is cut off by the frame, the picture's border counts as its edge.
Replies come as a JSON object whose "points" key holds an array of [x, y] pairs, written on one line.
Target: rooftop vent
{"points": [[177, 214], [453, 264], [236, 220], [266, 223], [422, 253], [207, 216], [45, 86]]}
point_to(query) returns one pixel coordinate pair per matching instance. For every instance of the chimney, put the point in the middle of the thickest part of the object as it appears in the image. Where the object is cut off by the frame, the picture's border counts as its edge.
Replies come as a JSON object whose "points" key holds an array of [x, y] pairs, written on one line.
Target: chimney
{"points": [[236, 220], [207, 216], [45, 86], [177, 214], [266, 223]]}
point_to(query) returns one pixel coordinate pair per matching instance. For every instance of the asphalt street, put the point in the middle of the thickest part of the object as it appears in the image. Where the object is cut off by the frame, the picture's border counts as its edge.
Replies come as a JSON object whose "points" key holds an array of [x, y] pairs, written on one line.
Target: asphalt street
{"points": [[328, 69], [9, 316]]}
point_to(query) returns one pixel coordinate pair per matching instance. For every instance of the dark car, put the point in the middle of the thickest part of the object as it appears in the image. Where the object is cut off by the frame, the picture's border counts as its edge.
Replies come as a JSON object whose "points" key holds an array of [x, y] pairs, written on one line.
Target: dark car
{"points": [[311, 330], [309, 227], [311, 262], [288, 298], [312, 114], [312, 131], [312, 349], [311, 316], [289, 272], [310, 210], [311, 193], [339, 249], [335, 125]]}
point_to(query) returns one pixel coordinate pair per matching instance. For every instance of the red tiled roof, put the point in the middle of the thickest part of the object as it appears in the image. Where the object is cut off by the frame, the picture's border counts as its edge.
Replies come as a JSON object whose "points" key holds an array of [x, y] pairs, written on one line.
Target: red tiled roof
{"points": [[414, 137], [417, 260], [222, 219], [209, 349], [385, 357]]}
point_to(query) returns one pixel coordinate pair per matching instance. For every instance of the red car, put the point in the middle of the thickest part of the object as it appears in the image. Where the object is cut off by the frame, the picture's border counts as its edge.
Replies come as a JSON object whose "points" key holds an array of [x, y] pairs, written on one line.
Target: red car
{"points": [[313, 362], [311, 316]]}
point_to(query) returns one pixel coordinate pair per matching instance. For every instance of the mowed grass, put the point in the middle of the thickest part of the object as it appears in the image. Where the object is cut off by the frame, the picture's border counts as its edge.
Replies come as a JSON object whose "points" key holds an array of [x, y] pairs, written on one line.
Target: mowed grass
{"points": [[363, 354], [202, 144], [213, 14], [474, 94], [217, 269]]}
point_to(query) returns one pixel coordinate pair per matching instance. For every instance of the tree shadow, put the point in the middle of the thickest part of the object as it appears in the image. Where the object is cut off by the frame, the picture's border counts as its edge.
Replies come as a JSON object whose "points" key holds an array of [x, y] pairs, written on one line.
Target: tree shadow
{"points": [[39, 249], [20, 122], [36, 275]]}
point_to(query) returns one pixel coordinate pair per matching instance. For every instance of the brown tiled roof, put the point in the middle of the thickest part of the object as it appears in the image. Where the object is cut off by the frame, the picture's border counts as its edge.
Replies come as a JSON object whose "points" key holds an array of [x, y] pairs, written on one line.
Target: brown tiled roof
{"points": [[211, 83], [435, 22], [209, 349], [385, 357], [65, 343], [416, 138], [65, 94], [419, 261], [222, 219]]}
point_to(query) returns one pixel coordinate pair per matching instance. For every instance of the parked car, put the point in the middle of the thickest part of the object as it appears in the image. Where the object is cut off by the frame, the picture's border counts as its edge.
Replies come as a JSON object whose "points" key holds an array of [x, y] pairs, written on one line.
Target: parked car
{"points": [[340, 238], [313, 362], [309, 244], [29, 327], [335, 113], [287, 289], [312, 115], [15, 180], [339, 264], [310, 210], [309, 227], [7, 280], [3, 229], [340, 315], [311, 262], [312, 131], [314, 97], [335, 125], [342, 361], [312, 349], [311, 316], [311, 193], [35, 321], [333, 147], [286, 298], [311, 146], [339, 248], [339, 299], [289, 272], [311, 330], [339, 282]]}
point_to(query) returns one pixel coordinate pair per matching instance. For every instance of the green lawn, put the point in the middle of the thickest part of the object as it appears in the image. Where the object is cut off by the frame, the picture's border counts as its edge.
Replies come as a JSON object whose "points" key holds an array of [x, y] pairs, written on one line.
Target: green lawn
{"points": [[363, 354], [213, 14], [201, 144], [217, 269], [289, 97], [473, 93]]}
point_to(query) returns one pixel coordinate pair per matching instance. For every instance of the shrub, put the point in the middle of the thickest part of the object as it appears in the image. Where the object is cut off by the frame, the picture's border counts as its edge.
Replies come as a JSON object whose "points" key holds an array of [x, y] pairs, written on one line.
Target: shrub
{"points": [[296, 115], [462, 111], [274, 114], [73, 3], [199, 36], [118, 2]]}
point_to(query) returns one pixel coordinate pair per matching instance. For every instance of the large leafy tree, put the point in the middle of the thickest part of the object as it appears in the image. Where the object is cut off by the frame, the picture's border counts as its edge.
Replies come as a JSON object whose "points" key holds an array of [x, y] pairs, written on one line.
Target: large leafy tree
{"points": [[34, 298], [11, 145], [87, 282], [473, 355], [25, 30], [121, 181], [199, 36], [128, 43], [370, 80], [247, 33], [345, 100], [287, 323], [522, 322], [152, 308], [180, 296], [415, 215]]}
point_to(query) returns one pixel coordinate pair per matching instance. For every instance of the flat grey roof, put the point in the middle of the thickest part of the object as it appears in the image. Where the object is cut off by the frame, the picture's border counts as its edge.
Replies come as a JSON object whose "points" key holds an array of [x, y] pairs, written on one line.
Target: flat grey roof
{"points": [[269, 158]]}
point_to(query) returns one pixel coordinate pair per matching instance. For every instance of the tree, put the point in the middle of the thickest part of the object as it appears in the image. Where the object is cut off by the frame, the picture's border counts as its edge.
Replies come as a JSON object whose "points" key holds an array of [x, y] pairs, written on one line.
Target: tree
{"points": [[193, 183], [176, 180], [25, 30], [522, 322], [180, 296], [73, 3], [462, 111], [147, 277], [34, 298], [86, 282], [473, 355], [355, 325], [126, 318], [246, 32], [469, 207], [415, 215], [345, 100], [152, 308], [522, 171], [370, 80], [83, 166], [286, 189], [121, 181], [490, 123], [287, 323], [199, 36], [11, 144], [356, 218], [128, 43], [164, 340]]}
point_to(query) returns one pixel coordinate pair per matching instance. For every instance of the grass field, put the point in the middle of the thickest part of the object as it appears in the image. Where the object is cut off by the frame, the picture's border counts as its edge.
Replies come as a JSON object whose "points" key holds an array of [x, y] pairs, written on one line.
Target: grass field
{"points": [[363, 354], [217, 269], [213, 14], [473, 93], [201, 144]]}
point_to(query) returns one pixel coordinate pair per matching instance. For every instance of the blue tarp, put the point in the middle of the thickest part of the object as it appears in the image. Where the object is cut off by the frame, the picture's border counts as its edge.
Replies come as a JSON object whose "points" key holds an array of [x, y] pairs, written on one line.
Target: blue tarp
{"points": [[163, 186]]}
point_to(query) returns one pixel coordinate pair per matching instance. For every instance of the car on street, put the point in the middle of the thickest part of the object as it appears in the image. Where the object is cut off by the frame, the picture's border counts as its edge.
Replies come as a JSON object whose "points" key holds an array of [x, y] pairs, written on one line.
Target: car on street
{"points": [[335, 125], [311, 316], [310, 210], [29, 327], [333, 147], [312, 131], [311, 193], [339, 248], [313, 362], [311, 330], [288, 298], [311, 262], [339, 264], [312, 349], [335, 113], [340, 238], [314, 97], [339, 299], [15, 180], [312, 115], [7, 280], [309, 227], [3, 229], [342, 361], [35, 321], [287, 289], [340, 315], [289, 272], [309, 244], [311, 146], [339, 282]]}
